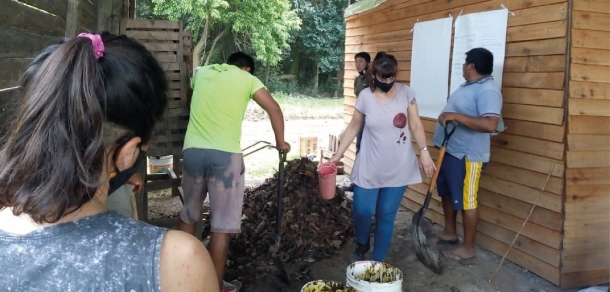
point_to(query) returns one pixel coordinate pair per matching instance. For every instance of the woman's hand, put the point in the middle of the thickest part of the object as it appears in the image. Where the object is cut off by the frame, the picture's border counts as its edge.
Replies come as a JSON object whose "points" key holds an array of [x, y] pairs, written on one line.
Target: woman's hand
{"points": [[334, 160], [426, 163]]}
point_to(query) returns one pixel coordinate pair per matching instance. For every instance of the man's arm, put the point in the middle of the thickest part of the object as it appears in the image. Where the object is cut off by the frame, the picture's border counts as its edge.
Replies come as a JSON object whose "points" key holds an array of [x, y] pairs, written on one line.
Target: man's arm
{"points": [[486, 124], [266, 101], [489, 104]]}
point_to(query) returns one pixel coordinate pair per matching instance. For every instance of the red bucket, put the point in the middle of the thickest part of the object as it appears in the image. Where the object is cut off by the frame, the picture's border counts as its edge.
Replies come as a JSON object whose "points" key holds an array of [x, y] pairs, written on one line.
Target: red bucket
{"points": [[327, 184]]}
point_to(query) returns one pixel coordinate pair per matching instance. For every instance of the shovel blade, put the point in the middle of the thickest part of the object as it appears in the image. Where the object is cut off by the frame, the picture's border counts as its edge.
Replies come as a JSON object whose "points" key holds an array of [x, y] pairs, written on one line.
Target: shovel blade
{"points": [[426, 253], [283, 274]]}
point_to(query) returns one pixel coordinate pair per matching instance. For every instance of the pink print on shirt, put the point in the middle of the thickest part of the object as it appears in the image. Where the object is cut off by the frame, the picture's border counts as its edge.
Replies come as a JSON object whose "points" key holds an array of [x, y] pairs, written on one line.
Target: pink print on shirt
{"points": [[400, 122]]}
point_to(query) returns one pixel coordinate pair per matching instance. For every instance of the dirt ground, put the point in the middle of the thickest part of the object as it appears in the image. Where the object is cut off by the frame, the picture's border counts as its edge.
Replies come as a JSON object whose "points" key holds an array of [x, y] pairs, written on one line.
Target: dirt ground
{"points": [[465, 277]]}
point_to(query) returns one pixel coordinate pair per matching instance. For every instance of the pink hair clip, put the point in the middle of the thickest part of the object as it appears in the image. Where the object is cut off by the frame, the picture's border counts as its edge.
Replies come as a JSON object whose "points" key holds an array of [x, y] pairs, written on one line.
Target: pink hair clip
{"points": [[96, 40]]}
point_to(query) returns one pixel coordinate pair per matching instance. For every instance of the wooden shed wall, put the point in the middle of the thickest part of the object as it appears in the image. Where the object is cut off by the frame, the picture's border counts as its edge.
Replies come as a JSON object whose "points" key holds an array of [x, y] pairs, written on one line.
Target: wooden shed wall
{"points": [[586, 254], [533, 144]]}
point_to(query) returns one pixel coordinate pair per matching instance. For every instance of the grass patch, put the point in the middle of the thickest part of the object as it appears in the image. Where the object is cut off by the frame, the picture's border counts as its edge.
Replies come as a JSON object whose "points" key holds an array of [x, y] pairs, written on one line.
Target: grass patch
{"points": [[299, 107]]}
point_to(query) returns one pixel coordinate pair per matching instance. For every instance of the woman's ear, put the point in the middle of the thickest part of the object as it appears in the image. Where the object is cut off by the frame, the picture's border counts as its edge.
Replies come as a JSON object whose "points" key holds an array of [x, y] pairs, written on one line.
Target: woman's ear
{"points": [[127, 154]]}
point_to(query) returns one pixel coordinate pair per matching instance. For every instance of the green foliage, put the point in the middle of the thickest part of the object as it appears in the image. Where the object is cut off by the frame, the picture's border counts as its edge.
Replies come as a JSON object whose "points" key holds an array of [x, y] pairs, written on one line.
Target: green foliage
{"points": [[322, 36], [265, 24]]}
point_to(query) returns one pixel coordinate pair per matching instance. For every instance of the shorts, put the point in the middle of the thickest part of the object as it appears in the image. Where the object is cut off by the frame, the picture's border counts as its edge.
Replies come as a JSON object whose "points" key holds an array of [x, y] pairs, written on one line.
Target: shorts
{"points": [[459, 179], [221, 174]]}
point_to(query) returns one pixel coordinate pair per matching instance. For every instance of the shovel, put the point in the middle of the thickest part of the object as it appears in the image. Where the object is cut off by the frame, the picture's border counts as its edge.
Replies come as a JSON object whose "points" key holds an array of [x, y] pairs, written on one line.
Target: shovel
{"points": [[426, 254], [278, 221]]}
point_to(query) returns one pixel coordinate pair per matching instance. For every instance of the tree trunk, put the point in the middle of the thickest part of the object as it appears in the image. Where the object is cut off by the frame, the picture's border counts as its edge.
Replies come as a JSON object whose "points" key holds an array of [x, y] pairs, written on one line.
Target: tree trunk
{"points": [[267, 75], [316, 74], [294, 68], [199, 48], [216, 39]]}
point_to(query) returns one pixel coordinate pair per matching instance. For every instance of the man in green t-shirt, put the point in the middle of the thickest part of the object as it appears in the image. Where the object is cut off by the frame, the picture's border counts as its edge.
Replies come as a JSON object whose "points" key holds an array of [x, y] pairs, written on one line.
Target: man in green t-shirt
{"points": [[212, 156]]}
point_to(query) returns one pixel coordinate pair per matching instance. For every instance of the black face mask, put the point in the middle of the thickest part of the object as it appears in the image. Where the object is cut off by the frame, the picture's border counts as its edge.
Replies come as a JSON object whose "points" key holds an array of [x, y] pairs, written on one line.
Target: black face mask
{"points": [[385, 87], [124, 175]]}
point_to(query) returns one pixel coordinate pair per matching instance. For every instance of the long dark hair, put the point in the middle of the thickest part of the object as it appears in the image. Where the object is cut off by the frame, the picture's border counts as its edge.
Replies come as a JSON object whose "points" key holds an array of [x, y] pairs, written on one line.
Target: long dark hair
{"points": [[384, 65], [73, 109]]}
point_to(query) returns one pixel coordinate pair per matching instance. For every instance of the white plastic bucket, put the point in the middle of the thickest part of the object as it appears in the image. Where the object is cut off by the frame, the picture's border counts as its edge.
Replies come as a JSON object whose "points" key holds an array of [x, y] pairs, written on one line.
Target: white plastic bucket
{"points": [[325, 285], [159, 165], [362, 277]]}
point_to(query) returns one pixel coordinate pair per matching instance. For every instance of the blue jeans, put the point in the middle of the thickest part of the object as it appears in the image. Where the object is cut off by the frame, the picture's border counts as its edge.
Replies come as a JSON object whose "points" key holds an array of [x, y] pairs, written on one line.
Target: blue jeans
{"points": [[384, 203]]}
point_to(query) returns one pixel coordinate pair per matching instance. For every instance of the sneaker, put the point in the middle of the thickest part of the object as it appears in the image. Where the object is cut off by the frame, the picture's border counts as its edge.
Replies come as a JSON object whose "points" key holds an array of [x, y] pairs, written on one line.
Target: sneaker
{"points": [[232, 286], [359, 252]]}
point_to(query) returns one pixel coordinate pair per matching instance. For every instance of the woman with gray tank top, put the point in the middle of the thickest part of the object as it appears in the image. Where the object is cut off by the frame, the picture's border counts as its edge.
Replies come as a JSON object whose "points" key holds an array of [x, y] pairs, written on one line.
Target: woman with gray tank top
{"points": [[86, 111], [386, 163]]}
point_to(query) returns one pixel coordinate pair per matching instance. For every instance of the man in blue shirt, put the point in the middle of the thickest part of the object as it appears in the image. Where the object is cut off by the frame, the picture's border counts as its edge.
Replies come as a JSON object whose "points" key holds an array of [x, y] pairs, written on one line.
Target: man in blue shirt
{"points": [[476, 107]]}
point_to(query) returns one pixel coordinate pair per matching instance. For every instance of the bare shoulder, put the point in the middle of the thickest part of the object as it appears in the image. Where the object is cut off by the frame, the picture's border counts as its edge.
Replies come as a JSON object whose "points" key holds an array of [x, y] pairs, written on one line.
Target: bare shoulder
{"points": [[185, 264]]}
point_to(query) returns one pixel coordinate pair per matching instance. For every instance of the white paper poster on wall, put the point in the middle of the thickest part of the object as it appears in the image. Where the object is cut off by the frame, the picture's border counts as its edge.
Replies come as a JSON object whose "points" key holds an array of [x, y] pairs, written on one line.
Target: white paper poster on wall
{"points": [[484, 29], [430, 65]]}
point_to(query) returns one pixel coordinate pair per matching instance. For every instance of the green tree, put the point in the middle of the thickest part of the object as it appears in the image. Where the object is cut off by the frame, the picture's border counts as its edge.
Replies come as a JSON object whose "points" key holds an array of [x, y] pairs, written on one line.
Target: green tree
{"points": [[265, 25], [322, 35]]}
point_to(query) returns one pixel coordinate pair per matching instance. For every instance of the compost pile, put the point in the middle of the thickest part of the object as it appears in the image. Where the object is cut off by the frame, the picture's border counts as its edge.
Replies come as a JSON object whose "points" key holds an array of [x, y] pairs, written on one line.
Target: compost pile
{"points": [[312, 228]]}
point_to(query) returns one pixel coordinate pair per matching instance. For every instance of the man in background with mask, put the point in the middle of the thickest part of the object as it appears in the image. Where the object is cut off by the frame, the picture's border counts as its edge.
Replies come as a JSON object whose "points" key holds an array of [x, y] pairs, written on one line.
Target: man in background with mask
{"points": [[362, 61]]}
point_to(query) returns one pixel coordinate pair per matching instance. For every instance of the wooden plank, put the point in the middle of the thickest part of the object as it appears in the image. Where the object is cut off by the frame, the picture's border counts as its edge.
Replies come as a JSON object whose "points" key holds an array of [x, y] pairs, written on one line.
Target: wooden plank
{"points": [[388, 47], [22, 44], [131, 24], [591, 73], [72, 23], [553, 80], [590, 39], [590, 57], [524, 177], [18, 16], [527, 161], [507, 221], [588, 142], [589, 107], [488, 226], [529, 145], [539, 31], [86, 21], [587, 176], [533, 264], [589, 125], [532, 113], [580, 89], [587, 159], [161, 47], [589, 194], [525, 12], [526, 194], [155, 35], [56, 7], [591, 20], [586, 211], [421, 9], [585, 278], [537, 48], [585, 245], [542, 97], [90, 7], [552, 63], [534, 130], [592, 6], [11, 71], [579, 263]]}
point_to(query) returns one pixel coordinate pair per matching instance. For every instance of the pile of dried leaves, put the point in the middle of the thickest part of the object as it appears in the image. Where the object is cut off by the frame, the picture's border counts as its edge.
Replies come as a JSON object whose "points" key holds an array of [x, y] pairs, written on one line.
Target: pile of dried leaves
{"points": [[312, 228]]}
